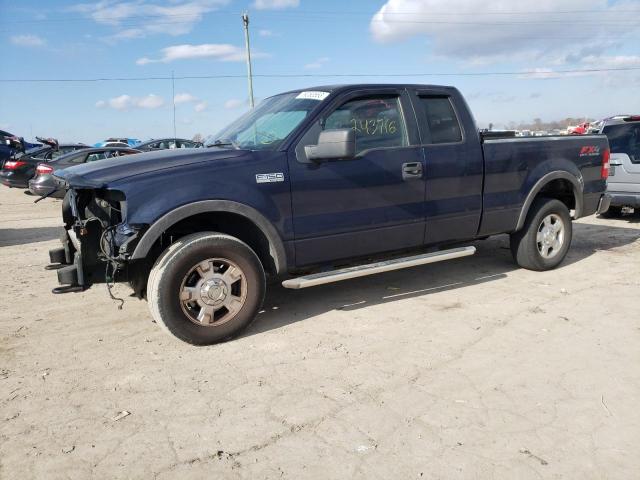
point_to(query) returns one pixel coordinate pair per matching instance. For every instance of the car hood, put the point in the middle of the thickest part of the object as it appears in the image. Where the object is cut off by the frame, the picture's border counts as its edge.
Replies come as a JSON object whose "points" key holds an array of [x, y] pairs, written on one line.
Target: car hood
{"points": [[100, 173]]}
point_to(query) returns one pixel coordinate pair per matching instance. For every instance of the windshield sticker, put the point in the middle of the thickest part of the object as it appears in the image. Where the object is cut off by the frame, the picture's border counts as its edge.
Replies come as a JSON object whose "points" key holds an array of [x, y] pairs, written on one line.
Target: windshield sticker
{"points": [[311, 95]]}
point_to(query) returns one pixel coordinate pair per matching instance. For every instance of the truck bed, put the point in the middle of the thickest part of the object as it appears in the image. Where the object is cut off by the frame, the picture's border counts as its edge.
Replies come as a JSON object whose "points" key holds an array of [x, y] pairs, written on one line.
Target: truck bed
{"points": [[514, 165]]}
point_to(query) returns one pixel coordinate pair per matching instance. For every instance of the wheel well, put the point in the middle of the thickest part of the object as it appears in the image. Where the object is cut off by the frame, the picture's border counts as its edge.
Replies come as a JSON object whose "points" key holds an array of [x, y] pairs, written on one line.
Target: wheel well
{"points": [[559, 189], [232, 224]]}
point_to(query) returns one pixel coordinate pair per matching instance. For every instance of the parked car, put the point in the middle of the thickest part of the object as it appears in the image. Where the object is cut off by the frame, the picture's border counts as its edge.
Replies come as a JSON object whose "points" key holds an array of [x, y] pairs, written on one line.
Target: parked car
{"points": [[6, 149], [11, 144], [315, 178], [118, 142], [17, 171], [168, 143], [623, 185], [43, 182]]}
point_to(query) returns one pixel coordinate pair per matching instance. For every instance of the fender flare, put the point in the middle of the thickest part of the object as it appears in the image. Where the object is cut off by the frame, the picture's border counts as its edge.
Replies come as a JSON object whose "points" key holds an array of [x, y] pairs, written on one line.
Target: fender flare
{"points": [[540, 184], [276, 246]]}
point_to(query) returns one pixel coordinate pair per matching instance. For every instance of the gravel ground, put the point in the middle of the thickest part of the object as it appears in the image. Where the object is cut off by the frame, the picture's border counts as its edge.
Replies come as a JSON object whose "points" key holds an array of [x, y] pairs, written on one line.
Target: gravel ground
{"points": [[465, 369]]}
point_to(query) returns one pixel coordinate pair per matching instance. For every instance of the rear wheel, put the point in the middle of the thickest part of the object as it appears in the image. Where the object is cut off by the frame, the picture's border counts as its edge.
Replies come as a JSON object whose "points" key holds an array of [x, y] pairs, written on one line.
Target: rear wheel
{"points": [[206, 288], [546, 236]]}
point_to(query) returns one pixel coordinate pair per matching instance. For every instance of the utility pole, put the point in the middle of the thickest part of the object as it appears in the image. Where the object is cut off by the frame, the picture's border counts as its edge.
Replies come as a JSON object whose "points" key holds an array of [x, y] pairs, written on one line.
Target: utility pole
{"points": [[245, 22], [173, 98]]}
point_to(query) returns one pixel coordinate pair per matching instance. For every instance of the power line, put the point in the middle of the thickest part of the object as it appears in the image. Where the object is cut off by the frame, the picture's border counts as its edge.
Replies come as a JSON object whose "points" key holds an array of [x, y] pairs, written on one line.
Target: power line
{"points": [[571, 22], [523, 73], [115, 20]]}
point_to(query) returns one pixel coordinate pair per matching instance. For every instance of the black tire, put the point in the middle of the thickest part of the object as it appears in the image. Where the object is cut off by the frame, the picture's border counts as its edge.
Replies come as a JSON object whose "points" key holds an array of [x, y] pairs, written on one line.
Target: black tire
{"points": [[612, 212], [525, 248], [176, 266]]}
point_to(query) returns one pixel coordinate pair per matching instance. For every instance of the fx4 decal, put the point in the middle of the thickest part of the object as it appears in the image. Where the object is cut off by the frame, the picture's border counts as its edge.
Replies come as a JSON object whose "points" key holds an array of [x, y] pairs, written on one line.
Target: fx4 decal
{"points": [[589, 151]]}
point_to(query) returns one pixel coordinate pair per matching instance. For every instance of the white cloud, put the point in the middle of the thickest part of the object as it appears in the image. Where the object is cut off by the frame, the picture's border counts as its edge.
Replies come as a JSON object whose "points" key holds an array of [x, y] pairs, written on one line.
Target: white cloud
{"points": [[487, 31], [612, 61], [151, 101], [265, 33], [275, 4], [319, 63], [233, 103], [176, 18], [28, 40], [219, 51], [590, 65], [123, 102], [184, 98], [200, 107], [127, 102]]}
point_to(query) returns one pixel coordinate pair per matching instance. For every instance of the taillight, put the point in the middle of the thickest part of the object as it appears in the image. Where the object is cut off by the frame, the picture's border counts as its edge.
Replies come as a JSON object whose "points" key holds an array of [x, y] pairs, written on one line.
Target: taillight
{"points": [[13, 164], [43, 169], [604, 171]]}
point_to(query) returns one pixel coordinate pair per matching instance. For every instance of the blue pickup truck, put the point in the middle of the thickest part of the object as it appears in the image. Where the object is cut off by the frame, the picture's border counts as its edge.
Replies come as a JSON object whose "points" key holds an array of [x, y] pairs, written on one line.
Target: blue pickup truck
{"points": [[376, 177]]}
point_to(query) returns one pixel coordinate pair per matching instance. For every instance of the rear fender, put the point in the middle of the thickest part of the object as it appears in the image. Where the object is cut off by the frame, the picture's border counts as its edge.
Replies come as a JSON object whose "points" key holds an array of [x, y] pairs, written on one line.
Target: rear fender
{"points": [[572, 175]]}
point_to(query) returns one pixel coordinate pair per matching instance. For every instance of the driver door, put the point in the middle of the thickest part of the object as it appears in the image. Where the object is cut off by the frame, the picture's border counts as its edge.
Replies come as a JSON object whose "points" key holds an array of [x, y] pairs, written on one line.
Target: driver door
{"points": [[369, 204]]}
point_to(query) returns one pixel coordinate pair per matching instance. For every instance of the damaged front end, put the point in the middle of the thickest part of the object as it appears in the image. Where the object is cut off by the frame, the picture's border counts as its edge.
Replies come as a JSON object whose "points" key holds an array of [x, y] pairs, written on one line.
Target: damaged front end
{"points": [[96, 241]]}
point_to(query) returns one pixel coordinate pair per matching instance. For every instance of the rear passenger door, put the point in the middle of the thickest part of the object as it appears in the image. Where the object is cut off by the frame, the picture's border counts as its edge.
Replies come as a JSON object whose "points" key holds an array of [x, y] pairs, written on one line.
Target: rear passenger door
{"points": [[453, 166]]}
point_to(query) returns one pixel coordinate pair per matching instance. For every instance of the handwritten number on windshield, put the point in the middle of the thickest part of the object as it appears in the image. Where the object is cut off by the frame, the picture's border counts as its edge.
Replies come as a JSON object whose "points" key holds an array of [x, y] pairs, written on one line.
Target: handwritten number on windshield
{"points": [[380, 126]]}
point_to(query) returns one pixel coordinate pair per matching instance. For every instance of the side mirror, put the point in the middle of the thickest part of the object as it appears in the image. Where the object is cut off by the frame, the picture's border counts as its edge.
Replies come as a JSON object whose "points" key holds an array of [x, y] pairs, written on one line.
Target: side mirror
{"points": [[333, 145]]}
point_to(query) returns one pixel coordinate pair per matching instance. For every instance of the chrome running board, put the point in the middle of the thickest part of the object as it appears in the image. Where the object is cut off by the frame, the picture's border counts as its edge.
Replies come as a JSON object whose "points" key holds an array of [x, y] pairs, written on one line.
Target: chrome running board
{"points": [[378, 267]]}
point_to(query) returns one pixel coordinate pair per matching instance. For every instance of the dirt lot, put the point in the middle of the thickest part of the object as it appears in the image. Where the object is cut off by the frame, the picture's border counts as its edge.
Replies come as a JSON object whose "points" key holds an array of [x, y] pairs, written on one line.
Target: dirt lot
{"points": [[466, 369]]}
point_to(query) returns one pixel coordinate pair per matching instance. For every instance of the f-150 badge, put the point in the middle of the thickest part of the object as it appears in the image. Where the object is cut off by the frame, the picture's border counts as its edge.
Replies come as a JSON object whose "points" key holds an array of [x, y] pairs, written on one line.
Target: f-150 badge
{"points": [[269, 177]]}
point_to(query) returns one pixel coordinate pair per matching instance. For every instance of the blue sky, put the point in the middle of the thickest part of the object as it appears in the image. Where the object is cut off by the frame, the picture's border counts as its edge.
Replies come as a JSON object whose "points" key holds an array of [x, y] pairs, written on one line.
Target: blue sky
{"points": [[150, 38]]}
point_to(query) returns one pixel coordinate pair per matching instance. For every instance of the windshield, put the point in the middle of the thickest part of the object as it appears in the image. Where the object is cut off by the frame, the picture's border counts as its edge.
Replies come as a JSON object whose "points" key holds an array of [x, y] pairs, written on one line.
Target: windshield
{"points": [[265, 127]]}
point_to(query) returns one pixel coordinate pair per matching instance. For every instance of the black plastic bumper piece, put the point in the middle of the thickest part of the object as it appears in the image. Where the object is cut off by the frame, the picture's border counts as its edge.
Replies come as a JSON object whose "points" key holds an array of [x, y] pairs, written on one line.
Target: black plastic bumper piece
{"points": [[58, 255], [625, 199], [68, 275]]}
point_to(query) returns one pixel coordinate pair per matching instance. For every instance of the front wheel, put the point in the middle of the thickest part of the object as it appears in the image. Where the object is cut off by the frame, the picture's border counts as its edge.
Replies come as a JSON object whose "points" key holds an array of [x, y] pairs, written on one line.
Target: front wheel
{"points": [[546, 236], [206, 288]]}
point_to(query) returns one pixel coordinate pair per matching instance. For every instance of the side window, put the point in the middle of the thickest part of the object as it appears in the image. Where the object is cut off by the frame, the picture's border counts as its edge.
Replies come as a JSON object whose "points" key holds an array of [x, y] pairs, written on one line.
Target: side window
{"points": [[96, 156], [121, 153], [377, 121], [77, 158], [444, 126]]}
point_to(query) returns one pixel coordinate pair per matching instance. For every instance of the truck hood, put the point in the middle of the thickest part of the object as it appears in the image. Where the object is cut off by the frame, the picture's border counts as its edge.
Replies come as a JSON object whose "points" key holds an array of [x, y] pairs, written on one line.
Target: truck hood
{"points": [[100, 173]]}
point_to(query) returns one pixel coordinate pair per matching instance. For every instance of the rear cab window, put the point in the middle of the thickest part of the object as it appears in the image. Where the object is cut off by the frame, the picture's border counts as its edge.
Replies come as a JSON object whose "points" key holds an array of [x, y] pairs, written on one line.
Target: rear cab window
{"points": [[624, 138], [442, 123]]}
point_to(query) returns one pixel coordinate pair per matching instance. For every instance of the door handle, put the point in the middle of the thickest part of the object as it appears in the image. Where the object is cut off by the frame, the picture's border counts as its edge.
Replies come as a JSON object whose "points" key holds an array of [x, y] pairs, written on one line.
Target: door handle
{"points": [[411, 170]]}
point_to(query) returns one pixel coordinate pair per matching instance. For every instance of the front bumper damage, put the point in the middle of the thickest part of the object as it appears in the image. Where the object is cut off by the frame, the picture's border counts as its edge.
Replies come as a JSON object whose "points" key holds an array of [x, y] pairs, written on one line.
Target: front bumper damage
{"points": [[95, 243]]}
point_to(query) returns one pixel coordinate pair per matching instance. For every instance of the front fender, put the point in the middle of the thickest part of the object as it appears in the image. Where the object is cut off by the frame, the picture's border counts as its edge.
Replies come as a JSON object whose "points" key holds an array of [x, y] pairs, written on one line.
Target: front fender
{"points": [[276, 246]]}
